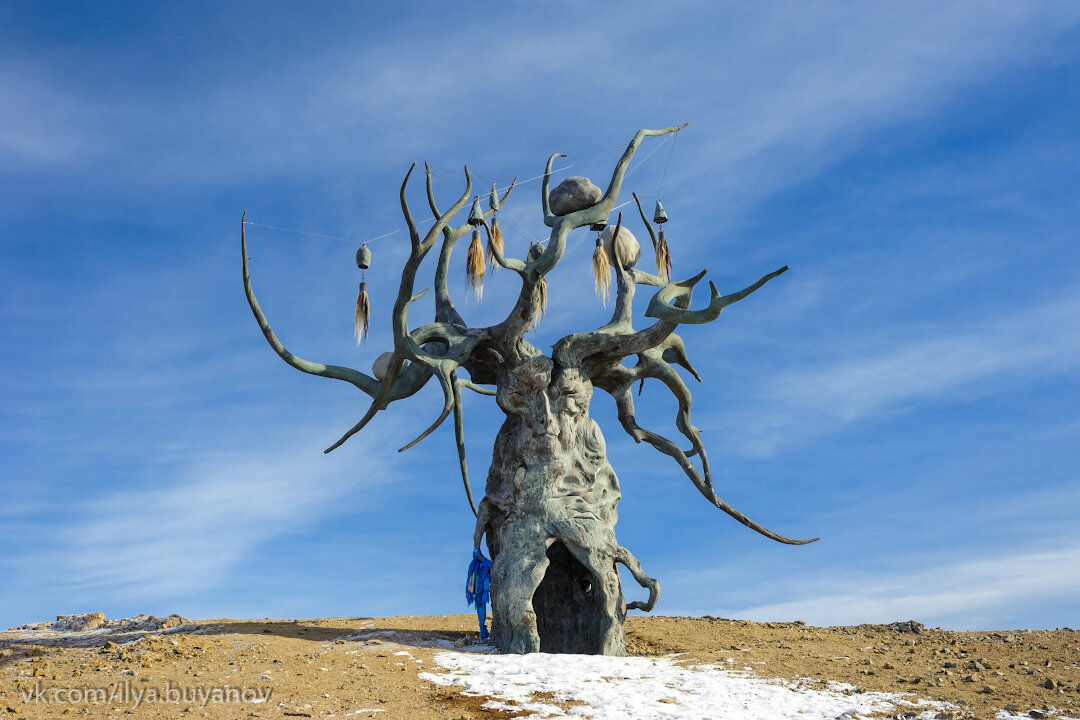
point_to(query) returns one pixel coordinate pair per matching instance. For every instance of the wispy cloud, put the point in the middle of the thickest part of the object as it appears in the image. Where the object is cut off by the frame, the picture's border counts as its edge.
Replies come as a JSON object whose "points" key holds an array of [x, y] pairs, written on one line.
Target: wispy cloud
{"points": [[195, 525], [805, 403], [983, 593], [758, 113], [126, 373]]}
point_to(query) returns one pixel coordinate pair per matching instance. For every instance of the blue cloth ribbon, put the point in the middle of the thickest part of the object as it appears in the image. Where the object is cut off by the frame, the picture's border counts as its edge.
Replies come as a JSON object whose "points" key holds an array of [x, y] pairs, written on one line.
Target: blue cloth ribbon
{"points": [[477, 587]]}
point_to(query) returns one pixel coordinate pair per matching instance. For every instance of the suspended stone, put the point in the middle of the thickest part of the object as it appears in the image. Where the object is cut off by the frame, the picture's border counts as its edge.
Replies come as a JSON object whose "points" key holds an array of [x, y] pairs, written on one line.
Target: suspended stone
{"points": [[381, 366], [363, 257], [626, 246], [573, 194]]}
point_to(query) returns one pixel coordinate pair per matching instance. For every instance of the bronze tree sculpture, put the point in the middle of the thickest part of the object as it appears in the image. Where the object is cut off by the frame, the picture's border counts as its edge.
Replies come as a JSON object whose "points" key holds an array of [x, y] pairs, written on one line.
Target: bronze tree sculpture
{"points": [[549, 509]]}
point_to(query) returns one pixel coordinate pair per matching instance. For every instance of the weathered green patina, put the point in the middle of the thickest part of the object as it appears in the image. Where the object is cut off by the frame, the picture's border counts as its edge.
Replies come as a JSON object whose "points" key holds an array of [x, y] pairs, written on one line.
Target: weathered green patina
{"points": [[550, 504]]}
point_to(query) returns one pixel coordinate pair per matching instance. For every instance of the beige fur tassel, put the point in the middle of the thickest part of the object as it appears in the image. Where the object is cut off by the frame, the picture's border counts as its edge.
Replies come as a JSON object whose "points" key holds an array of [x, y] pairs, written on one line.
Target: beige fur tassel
{"points": [[474, 266], [540, 309], [495, 240], [363, 314], [601, 270], [663, 259]]}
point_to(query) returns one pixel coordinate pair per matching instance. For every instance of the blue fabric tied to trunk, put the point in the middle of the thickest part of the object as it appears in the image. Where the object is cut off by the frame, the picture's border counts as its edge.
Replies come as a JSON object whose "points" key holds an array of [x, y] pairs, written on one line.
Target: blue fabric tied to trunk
{"points": [[477, 586]]}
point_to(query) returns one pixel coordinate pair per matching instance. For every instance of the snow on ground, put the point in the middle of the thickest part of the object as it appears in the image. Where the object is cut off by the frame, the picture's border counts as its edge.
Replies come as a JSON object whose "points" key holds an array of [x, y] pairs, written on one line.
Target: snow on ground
{"points": [[615, 688]]}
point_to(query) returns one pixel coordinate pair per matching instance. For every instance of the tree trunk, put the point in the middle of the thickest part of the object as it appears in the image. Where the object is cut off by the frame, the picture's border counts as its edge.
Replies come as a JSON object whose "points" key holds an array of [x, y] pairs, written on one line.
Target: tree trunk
{"points": [[549, 514]]}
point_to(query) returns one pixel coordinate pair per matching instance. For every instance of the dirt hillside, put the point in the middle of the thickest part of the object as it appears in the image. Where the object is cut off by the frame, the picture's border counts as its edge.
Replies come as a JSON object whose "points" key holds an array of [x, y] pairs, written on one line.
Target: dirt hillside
{"points": [[87, 666]]}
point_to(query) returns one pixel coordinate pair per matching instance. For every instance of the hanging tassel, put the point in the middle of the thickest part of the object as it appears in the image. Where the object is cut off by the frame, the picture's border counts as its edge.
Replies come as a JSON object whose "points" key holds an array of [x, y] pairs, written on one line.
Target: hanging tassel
{"points": [[363, 314], [540, 309], [663, 259], [663, 255], [536, 251], [474, 266], [601, 270], [495, 240]]}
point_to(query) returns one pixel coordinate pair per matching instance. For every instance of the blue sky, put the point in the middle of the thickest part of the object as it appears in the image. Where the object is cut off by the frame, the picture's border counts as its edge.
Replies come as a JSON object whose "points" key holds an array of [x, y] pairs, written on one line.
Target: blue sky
{"points": [[909, 391]]}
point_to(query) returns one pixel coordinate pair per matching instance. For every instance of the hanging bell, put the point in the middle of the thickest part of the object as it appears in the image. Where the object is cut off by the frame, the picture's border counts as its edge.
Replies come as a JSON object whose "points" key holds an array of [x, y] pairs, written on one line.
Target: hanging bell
{"points": [[476, 215], [659, 216], [493, 199], [598, 227], [363, 257]]}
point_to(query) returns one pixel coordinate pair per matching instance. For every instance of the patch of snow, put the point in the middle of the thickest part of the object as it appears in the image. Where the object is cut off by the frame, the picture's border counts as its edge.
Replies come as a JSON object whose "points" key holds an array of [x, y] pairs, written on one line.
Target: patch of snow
{"points": [[613, 688]]}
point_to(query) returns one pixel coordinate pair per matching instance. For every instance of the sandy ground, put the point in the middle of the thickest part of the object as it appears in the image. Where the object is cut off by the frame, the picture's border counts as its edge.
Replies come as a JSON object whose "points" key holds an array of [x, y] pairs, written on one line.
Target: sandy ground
{"points": [[368, 667]]}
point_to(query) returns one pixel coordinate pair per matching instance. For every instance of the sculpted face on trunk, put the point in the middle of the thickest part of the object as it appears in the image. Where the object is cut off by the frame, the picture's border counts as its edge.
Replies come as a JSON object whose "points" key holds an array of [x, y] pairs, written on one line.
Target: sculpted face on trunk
{"points": [[523, 393], [548, 401]]}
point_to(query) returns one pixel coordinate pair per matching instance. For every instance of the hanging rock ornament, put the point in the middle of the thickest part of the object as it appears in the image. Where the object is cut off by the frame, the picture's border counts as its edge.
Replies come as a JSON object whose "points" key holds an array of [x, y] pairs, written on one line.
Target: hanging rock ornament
{"points": [[381, 366], [663, 256], [540, 305], [474, 261], [363, 306], [495, 239], [601, 266], [625, 248]]}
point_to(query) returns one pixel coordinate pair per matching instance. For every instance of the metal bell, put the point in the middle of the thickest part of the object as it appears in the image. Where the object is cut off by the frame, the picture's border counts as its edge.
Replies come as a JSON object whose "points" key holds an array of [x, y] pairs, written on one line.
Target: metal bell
{"points": [[535, 251], [476, 215], [363, 257], [493, 200], [659, 216]]}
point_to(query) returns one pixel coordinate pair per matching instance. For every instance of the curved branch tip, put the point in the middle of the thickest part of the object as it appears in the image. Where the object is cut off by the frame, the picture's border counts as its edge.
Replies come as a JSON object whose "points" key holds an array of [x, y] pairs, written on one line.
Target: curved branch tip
{"points": [[434, 425]]}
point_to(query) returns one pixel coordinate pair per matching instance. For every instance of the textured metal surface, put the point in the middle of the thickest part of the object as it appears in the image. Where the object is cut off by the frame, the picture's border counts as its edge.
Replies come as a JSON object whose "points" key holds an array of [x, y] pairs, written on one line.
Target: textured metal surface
{"points": [[550, 504]]}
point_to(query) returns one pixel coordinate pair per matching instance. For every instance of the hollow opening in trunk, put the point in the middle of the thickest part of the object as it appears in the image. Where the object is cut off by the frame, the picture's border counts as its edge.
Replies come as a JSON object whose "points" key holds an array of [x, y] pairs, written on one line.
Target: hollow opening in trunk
{"points": [[569, 606]]}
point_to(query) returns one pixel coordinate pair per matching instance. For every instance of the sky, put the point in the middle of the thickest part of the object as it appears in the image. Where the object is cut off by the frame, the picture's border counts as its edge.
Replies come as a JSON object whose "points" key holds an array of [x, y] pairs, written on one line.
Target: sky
{"points": [[909, 391]]}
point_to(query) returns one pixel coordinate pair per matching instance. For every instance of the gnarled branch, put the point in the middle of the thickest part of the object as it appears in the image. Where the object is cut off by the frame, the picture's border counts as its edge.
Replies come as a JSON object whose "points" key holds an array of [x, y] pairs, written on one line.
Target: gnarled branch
{"points": [[521, 316], [648, 225], [405, 347], [618, 380], [444, 306], [409, 382], [661, 309], [624, 556], [562, 224]]}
